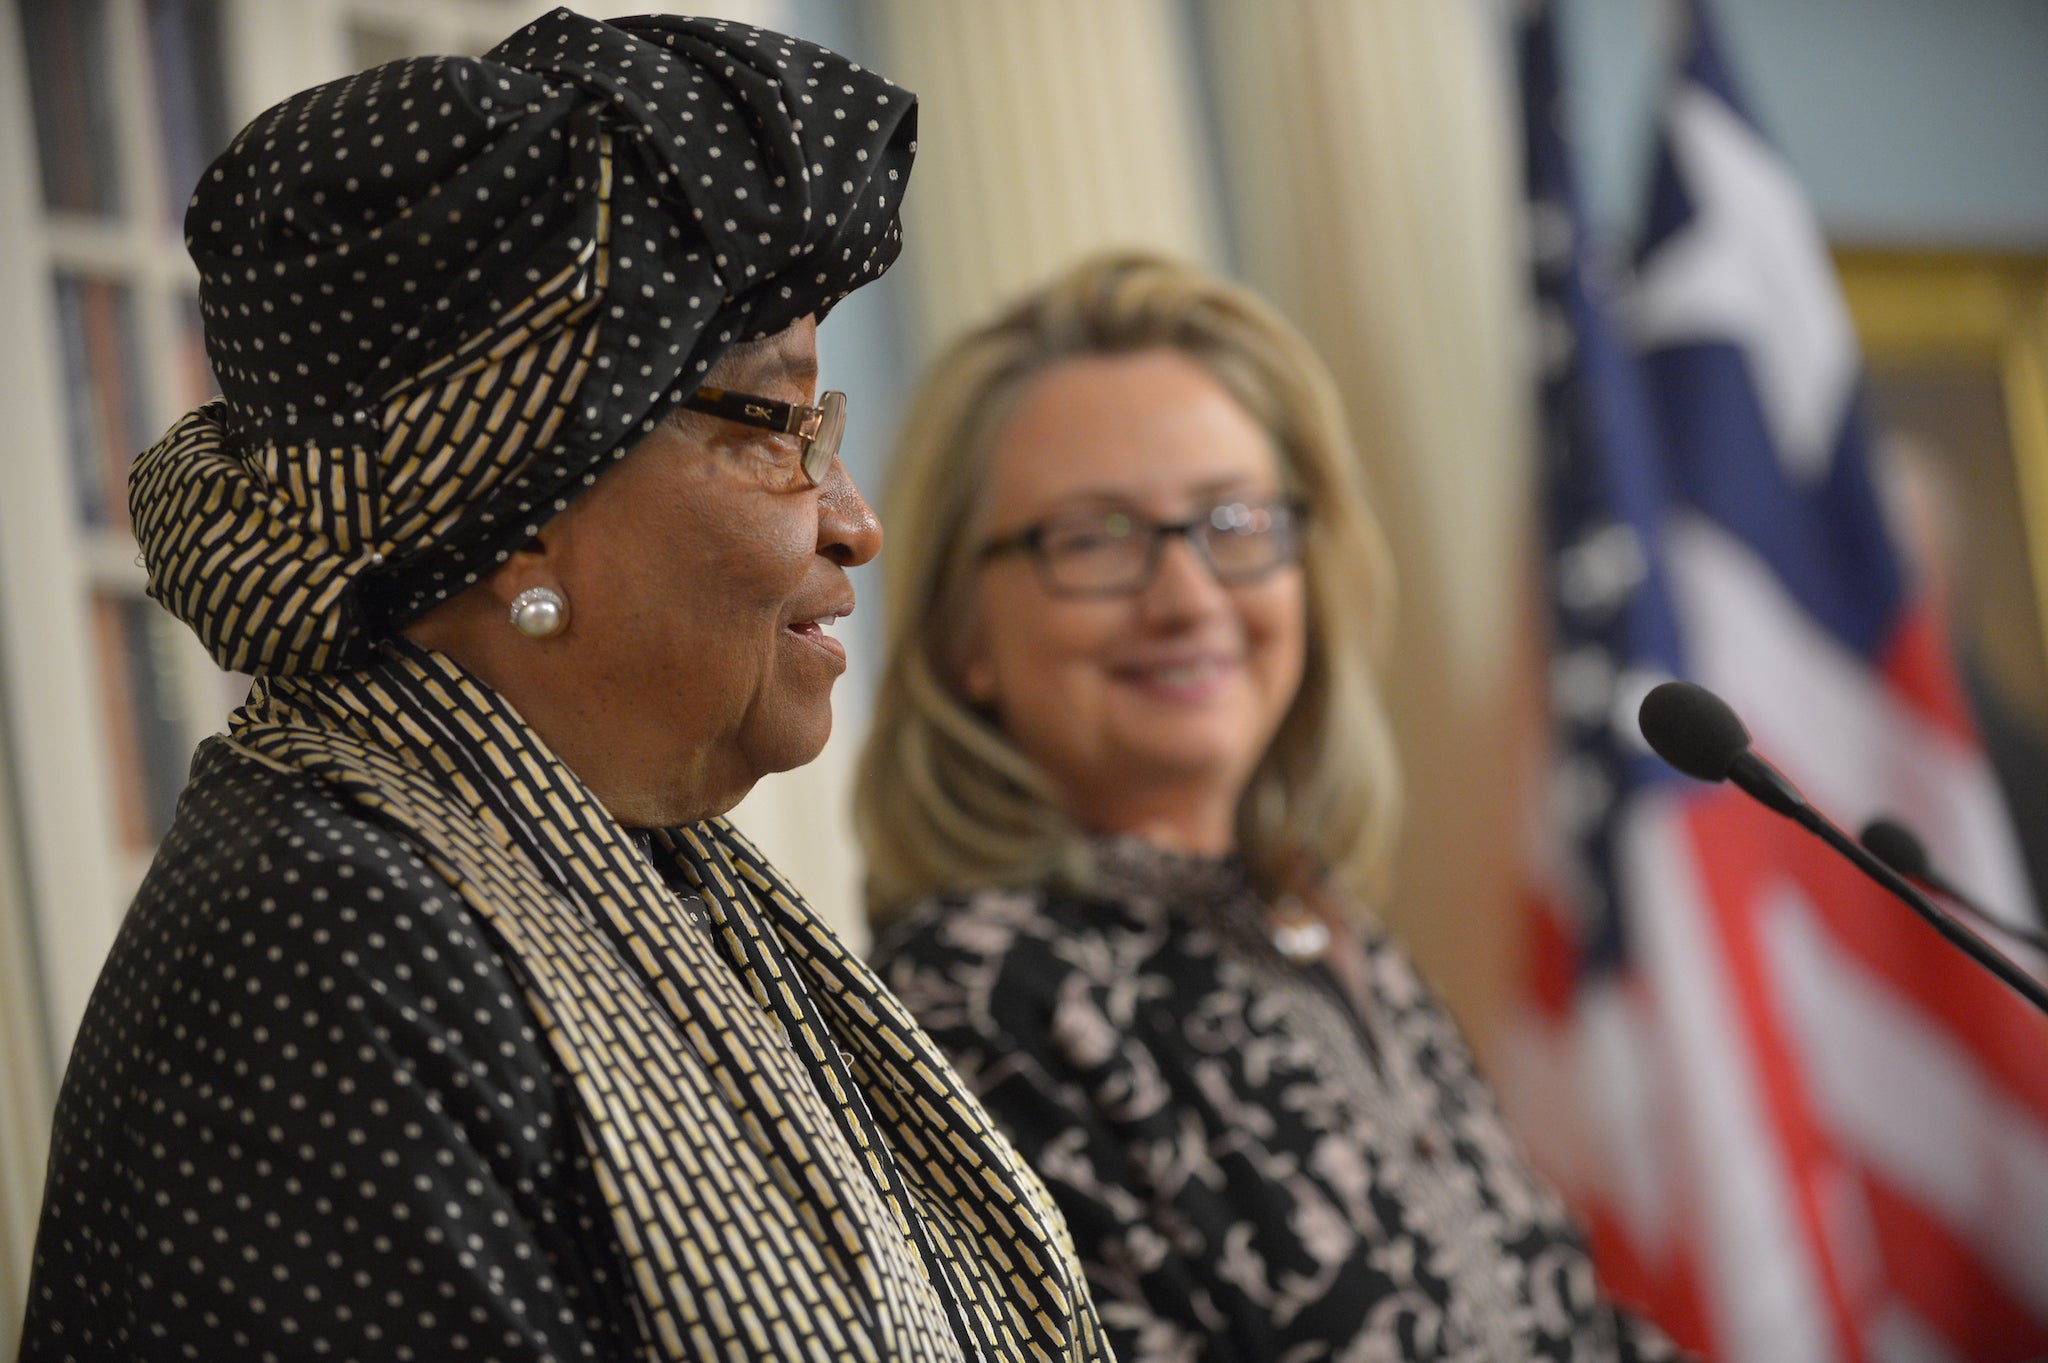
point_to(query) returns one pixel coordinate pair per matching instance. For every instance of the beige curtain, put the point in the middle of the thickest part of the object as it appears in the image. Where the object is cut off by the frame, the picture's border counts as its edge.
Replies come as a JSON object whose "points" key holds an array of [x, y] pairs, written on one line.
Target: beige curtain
{"points": [[1048, 129], [1376, 192]]}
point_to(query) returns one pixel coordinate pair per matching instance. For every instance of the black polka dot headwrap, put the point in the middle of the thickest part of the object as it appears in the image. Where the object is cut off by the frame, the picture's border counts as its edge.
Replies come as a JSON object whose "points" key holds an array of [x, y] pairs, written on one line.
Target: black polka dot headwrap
{"points": [[442, 295]]}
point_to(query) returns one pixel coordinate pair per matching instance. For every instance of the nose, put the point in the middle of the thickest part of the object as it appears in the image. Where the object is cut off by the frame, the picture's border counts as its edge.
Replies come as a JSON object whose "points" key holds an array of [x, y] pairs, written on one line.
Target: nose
{"points": [[849, 532], [1183, 585]]}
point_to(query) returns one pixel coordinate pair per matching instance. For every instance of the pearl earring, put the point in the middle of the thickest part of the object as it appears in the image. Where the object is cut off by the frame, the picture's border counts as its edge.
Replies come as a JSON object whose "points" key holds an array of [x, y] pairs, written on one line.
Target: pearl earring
{"points": [[539, 612]]}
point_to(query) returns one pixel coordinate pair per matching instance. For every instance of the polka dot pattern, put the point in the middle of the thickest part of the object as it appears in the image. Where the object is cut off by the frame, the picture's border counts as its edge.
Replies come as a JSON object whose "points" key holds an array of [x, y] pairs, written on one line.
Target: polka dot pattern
{"points": [[443, 294], [399, 990], [310, 1115]]}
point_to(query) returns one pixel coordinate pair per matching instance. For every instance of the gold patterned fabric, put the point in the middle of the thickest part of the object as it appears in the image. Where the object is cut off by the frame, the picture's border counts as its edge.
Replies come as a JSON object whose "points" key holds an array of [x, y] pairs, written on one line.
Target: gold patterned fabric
{"points": [[790, 1168], [443, 294], [1260, 1158]]}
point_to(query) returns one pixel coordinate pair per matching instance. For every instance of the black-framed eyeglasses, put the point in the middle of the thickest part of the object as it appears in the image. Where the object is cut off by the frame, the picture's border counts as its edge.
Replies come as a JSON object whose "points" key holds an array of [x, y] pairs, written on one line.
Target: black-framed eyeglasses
{"points": [[1109, 552], [817, 429]]}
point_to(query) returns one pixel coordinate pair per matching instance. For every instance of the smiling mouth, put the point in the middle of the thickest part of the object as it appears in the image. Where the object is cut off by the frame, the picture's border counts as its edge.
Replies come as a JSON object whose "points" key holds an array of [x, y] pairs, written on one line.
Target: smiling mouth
{"points": [[1185, 674], [1194, 679], [817, 634]]}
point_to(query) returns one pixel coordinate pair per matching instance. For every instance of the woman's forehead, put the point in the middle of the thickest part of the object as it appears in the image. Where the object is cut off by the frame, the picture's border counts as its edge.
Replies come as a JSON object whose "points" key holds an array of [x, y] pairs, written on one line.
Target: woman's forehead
{"points": [[787, 358], [1152, 427]]}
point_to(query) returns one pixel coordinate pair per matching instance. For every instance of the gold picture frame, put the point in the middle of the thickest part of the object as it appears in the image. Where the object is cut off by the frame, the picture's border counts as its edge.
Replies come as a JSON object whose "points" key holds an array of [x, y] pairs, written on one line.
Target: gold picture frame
{"points": [[1946, 315], [1955, 347]]}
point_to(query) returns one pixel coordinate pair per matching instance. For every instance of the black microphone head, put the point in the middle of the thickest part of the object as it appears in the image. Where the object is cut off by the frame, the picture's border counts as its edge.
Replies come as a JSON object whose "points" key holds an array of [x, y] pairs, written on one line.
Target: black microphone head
{"points": [[1895, 845], [1693, 729]]}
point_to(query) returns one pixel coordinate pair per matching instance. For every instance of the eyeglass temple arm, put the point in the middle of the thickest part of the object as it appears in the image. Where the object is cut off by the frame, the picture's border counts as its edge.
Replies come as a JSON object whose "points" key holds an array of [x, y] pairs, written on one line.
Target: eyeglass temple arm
{"points": [[787, 417], [1026, 539]]}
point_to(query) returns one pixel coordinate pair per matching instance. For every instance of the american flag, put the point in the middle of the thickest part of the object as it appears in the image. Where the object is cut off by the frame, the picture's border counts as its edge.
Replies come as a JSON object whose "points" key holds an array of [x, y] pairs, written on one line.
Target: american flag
{"points": [[1799, 1124]]}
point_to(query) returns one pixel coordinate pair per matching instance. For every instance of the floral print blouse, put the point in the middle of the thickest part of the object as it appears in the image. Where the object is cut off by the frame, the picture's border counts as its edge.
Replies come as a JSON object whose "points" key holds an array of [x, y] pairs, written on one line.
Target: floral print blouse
{"points": [[1252, 1168]]}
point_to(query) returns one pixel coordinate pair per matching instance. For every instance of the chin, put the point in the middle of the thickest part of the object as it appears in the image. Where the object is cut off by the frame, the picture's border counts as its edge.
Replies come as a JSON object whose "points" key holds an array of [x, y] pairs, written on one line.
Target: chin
{"points": [[1149, 766], [792, 744], [1190, 748]]}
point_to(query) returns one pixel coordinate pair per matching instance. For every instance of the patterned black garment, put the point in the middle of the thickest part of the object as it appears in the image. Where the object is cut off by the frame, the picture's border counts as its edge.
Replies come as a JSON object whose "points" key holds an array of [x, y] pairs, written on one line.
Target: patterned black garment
{"points": [[407, 1051], [1253, 1172], [309, 1114]]}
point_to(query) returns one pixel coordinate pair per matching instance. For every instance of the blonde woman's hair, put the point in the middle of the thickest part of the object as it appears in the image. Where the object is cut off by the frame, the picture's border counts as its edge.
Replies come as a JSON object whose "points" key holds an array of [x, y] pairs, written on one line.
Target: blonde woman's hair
{"points": [[944, 801]]}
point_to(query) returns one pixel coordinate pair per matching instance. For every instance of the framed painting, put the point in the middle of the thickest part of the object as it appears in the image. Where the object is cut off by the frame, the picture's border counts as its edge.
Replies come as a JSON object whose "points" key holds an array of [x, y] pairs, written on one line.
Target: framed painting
{"points": [[1956, 349]]}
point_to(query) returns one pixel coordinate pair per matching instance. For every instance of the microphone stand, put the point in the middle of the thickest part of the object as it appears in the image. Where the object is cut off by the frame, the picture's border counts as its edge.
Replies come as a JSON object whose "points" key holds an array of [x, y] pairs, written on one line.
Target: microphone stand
{"points": [[1942, 921], [1898, 847], [1694, 730]]}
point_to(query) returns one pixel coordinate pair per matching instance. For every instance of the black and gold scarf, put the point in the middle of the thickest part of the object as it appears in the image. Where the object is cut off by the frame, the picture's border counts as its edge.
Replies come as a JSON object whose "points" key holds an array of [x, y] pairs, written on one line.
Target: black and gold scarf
{"points": [[443, 295], [792, 1169]]}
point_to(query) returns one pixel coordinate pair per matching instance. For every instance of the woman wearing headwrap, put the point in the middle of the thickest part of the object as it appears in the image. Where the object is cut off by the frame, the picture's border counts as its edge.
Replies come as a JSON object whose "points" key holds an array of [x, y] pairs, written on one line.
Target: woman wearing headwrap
{"points": [[1127, 794], [451, 1022]]}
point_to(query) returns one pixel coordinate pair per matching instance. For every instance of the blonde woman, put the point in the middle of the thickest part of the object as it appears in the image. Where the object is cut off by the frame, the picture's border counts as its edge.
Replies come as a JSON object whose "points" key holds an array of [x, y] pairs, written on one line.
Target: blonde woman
{"points": [[1127, 799]]}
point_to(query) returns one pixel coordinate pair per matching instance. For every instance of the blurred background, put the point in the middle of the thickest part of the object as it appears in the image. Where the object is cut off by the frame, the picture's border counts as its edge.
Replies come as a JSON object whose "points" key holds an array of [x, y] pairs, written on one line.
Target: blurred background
{"points": [[1358, 161]]}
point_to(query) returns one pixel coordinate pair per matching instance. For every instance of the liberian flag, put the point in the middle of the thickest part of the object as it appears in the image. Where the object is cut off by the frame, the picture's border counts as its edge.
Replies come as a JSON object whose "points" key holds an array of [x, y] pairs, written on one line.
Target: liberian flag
{"points": [[1800, 1125]]}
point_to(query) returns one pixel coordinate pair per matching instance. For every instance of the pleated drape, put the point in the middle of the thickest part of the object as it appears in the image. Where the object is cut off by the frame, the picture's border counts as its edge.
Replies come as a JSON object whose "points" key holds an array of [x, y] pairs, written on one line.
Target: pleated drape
{"points": [[1047, 130], [1375, 189]]}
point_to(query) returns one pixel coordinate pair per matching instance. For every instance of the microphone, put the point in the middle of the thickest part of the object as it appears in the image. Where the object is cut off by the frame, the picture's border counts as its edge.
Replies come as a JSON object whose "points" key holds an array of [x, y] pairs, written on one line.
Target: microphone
{"points": [[1695, 731], [1899, 848]]}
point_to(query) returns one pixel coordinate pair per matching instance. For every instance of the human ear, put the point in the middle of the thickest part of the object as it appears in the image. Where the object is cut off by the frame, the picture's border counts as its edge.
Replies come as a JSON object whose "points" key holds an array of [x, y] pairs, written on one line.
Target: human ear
{"points": [[978, 677], [971, 662], [532, 564], [539, 610], [477, 621]]}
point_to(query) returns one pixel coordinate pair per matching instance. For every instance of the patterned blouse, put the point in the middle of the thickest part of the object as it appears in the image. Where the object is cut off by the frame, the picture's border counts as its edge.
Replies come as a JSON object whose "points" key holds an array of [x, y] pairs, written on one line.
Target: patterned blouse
{"points": [[1251, 1169]]}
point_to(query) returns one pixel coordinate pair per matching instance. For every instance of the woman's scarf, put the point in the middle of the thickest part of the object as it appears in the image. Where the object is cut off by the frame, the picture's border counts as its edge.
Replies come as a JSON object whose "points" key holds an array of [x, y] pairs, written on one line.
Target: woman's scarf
{"points": [[781, 1147], [442, 295]]}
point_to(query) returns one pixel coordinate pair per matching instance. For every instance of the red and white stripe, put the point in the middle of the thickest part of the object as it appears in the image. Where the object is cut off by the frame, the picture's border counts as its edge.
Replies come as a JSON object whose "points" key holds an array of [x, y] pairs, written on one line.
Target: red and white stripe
{"points": [[1806, 1128]]}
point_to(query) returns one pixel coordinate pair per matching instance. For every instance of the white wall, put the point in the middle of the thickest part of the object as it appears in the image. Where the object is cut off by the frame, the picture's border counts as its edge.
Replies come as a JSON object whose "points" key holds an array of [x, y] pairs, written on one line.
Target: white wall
{"points": [[1910, 122]]}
